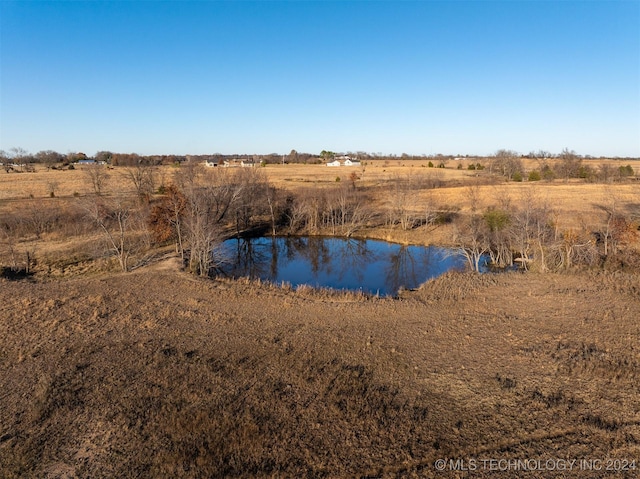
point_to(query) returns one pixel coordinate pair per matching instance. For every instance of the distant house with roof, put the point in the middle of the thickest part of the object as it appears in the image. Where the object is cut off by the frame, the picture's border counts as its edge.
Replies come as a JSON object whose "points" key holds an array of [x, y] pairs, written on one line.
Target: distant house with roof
{"points": [[343, 161]]}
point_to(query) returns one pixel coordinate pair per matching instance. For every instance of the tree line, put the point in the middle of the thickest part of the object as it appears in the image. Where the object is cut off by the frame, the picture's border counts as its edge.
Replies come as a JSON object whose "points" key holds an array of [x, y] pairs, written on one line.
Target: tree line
{"points": [[526, 232], [566, 165], [507, 161]]}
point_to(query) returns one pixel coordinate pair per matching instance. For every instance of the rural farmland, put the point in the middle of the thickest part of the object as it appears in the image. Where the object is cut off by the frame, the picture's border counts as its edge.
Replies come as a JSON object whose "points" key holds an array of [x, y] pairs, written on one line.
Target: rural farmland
{"points": [[124, 355], [320, 239]]}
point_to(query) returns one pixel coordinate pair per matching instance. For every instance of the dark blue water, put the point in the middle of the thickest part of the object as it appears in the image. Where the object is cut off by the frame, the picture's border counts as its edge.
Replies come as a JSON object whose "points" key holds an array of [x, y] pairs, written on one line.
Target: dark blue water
{"points": [[375, 267]]}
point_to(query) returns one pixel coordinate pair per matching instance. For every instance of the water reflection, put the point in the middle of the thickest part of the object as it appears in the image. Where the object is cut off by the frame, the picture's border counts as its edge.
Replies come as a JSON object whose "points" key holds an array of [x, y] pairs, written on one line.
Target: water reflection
{"points": [[367, 265]]}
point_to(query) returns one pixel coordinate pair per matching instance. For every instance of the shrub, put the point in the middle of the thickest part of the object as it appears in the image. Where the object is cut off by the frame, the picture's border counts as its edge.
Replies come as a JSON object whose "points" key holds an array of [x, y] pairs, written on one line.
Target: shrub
{"points": [[534, 175], [471, 167], [547, 173], [517, 176], [626, 170], [496, 220], [337, 179], [430, 164], [585, 172]]}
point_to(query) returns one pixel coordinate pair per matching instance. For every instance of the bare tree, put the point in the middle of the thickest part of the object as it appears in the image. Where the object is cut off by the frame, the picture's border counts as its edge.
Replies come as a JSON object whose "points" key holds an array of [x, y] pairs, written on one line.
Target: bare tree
{"points": [[203, 230], [188, 176], [252, 197], [166, 218], [21, 256], [606, 173], [295, 212], [473, 194], [4, 160], [96, 176], [540, 154], [18, 157], [142, 176], [49, 158], [103, 156], [614, 226], [568, 164], [22, 230], [113, 219], [431, 210], [271, 196], [470, 238], [314, 204], [573, 247], [345, 211], [212, 202], [532, 230], [506, 163], [37, 217], [402, 204]]}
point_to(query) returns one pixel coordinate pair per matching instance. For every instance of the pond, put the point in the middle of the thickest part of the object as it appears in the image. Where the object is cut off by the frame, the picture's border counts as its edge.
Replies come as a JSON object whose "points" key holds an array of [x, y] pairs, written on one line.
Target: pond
{"points": [[371, 266]]}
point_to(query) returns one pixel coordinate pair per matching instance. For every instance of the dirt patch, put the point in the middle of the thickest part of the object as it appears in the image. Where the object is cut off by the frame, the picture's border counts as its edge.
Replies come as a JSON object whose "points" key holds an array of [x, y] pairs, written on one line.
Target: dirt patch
{"points": [[158, 374]]}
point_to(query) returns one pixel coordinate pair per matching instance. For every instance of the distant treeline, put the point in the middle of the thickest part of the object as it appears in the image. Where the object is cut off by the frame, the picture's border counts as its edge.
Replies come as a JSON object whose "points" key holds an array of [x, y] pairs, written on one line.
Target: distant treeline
{"points": [[52, 158]]}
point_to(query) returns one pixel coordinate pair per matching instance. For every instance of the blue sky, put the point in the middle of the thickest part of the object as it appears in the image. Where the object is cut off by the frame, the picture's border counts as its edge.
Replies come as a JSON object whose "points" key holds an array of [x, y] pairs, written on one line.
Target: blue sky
{"points": [[424, 77]]}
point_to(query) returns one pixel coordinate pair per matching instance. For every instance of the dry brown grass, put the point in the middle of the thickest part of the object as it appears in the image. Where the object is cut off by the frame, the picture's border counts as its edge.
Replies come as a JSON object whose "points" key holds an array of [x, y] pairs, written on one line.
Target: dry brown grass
{"points": [[576, 205], [372, 174], [69, 183], [158, 374], [574, 202]]}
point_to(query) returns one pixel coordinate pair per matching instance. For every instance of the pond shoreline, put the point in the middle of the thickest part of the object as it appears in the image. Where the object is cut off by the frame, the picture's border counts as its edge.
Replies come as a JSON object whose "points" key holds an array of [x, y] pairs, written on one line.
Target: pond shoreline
{"points": [[373, 266]]}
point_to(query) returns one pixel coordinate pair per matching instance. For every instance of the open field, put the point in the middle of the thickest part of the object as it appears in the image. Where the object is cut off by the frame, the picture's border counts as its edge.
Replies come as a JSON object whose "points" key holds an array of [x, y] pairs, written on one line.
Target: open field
{"points": [[574, 202], [157, 374], [381, 170], [373, 172]]}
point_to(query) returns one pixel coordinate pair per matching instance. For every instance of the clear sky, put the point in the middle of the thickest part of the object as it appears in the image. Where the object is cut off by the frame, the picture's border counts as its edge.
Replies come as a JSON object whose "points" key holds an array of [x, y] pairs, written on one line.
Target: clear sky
{"points": [[421, 77]]}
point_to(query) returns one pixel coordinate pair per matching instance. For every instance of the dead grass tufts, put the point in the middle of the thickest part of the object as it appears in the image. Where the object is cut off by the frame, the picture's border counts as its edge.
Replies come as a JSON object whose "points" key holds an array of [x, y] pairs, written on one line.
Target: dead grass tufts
{"points": [[456, 286], [330, 294]]}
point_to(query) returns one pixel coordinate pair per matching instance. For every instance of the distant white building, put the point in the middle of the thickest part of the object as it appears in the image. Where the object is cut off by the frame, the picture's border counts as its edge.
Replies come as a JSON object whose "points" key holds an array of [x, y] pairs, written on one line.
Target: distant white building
{"points": [[210, 164], [350, 162], [334, 163], [235, 162]]}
